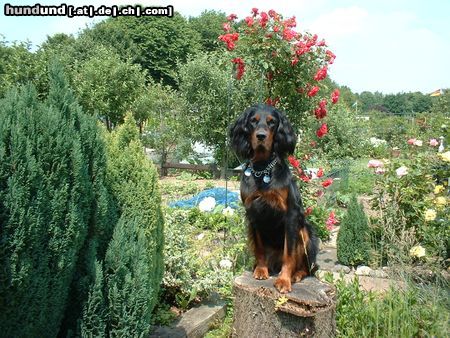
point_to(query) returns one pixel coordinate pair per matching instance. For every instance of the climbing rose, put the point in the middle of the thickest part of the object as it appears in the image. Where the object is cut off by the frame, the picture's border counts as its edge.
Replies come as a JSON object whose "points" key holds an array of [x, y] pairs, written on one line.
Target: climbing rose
{"points": [[289, 34], [331, 56], [327, 182], [229, 39], [320, 173], [255, 11], [231, 17], [321, 111], [226, 26], [308, 211], [249, 20], [240, 67], [264, 19], [313, 91], [273, 14], [321, 74], [331, 221], [293, 161], [335, 96], [322, 131]]}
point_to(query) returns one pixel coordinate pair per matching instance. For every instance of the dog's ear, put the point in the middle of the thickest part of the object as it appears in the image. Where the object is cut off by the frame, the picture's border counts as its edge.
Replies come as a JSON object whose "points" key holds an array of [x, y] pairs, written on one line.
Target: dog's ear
{"points": [[240, 135], [285, 138]]}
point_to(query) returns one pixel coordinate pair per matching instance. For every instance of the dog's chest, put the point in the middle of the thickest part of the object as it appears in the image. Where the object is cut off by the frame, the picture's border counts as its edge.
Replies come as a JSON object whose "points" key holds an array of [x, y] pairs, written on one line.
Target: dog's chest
{"points": [[270, 198]]}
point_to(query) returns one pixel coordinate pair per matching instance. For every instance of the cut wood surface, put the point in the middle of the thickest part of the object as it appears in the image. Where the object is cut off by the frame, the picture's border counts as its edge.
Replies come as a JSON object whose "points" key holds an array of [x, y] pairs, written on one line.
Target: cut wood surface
{"points": [[261, 311]]}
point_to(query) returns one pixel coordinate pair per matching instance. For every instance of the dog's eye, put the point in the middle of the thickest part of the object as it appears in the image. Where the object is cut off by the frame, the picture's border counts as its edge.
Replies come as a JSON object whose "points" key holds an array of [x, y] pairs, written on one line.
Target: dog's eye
{"points": [[253, 120], [271, 122]]}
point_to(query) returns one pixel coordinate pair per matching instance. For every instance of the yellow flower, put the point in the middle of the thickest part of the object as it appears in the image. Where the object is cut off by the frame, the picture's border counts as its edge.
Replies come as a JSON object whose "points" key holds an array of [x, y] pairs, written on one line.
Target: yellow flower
{"points": [[445, 156], [438, 189], [440, 201], [430, 215], [417, 251]]}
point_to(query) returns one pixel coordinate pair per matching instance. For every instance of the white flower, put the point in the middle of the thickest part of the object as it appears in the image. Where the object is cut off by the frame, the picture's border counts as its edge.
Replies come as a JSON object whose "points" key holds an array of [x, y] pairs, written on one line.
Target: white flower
{"points": [[200, 236], [228, 211], [376, 142], [418, 143], [402, 171], [417, 251], [207, 204], [374, 164], [225, 264]]}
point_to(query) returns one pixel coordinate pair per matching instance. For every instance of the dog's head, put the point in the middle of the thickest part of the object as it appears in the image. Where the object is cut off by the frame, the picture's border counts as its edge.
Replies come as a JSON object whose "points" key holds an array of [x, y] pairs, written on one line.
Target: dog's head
{"points": [[260, 131]]}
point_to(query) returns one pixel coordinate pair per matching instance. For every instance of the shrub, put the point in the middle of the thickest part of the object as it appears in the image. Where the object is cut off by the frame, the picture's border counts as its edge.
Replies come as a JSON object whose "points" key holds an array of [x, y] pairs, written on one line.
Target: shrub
{"points": [[133, 265], [353, 238], [52, 198]]}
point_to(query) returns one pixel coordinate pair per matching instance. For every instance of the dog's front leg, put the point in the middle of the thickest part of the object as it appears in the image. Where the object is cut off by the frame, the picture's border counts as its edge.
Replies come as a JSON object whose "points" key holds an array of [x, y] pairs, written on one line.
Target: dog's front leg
{"points": [[283, 282], [261, 270]]}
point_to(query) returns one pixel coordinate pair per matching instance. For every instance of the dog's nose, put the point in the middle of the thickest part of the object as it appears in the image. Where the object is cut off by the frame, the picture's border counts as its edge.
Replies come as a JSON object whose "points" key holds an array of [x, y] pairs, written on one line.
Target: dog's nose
{"points": [[261, 136]]}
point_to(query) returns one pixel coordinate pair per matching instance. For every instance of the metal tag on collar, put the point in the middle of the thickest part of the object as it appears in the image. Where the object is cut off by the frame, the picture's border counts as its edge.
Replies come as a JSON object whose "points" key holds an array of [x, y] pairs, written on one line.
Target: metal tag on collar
{"points": [[247, 172], [266, 178]]}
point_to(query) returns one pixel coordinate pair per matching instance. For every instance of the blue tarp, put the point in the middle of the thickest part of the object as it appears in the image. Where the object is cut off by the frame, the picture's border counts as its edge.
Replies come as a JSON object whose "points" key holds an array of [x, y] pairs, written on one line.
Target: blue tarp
{"points": [[218, 193]]}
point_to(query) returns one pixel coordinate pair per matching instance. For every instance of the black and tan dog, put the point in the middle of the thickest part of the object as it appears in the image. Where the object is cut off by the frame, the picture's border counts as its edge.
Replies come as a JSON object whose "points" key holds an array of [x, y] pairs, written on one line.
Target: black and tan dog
{"points": [[280, 237]]}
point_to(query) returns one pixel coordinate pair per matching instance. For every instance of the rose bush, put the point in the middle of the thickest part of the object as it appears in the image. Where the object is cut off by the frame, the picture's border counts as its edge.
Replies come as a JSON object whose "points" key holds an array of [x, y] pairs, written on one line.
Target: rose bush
{"points": [[290, 66]]}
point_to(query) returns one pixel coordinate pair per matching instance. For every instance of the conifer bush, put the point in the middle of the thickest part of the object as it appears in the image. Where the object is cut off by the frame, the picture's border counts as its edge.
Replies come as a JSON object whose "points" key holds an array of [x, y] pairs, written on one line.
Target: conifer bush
{"points": [[52, 195], [353, 246], [133, 265]]}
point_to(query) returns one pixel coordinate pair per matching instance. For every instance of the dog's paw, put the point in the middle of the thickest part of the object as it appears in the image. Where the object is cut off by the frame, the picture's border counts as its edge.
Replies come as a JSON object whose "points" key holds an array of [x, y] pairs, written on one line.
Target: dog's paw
{"points": [[298, 276], [283, 285], [261, 272]]}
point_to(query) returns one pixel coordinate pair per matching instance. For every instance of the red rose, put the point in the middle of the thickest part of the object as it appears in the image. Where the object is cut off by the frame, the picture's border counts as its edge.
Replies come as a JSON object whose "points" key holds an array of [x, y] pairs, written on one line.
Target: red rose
{"points": [[308, 211], [289, 34], [293, 161], [249, 20], [229, 39], [327, 182], [264, 19], [290, 23], [305, 178], [240, 67], [321, 43], [313, 91], [321, 74], [331, 56], [226, 26], [335, 96], [255, 11], [294, 61], [231, 17], [320, 173], [273, 14], [322, 131]]}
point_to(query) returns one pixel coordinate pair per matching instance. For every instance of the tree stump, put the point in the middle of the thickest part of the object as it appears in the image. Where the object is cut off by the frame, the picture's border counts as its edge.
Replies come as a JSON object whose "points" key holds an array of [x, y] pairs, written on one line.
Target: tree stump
{"points": [[261, 311]]}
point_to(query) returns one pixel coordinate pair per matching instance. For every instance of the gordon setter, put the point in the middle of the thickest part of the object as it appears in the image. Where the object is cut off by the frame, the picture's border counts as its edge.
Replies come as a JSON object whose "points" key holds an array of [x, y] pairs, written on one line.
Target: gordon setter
{"points": [[280, 237]]}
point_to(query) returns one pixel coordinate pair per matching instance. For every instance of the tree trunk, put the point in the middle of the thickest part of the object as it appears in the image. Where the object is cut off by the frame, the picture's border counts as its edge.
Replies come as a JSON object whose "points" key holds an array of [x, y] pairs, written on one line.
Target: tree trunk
{"points": [[261, 311]]}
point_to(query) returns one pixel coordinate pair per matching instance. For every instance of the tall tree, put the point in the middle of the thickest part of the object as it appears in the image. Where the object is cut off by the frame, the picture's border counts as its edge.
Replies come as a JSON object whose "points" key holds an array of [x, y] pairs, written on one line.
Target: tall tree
{"points": [[209, 24]]}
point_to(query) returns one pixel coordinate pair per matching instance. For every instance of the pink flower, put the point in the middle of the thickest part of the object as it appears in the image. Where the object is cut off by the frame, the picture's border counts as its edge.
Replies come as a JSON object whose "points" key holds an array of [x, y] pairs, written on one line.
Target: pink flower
{"points": [[313, 91], [335, 96], [308, 211], [311, 42], [273, 14], [226, 26], [402, 171], [433, 142], [249, 20], [411, 141], [321, 43], [264, 19], [232, 17], [374, 164], [327, 182], [331, 221], [331, 56], [322, 131], [321, 74], [255, 11], [290, 23], [289, 34]]}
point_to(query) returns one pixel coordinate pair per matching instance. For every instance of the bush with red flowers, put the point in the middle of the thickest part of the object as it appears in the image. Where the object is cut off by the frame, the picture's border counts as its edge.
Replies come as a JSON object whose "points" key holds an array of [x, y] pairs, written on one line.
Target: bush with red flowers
{"points": [[289, 65]]}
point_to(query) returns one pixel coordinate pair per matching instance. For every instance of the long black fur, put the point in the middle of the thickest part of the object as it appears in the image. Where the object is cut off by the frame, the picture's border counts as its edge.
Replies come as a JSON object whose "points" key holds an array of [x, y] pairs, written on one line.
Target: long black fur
{"points": [[272, 223]]}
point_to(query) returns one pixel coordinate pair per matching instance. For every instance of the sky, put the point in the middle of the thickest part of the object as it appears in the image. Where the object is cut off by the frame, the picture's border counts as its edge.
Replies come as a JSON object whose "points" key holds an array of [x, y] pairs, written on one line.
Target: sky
{"points": [[389, 46]]}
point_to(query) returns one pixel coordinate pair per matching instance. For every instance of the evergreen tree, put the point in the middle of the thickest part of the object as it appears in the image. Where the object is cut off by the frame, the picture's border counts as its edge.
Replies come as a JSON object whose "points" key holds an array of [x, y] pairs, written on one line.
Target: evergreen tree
{"points": [[353, 246]]}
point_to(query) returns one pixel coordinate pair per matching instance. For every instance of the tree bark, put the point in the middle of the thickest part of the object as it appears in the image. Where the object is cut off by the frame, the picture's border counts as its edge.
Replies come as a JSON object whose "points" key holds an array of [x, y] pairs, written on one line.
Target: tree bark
{"points": [[261, 311]]}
